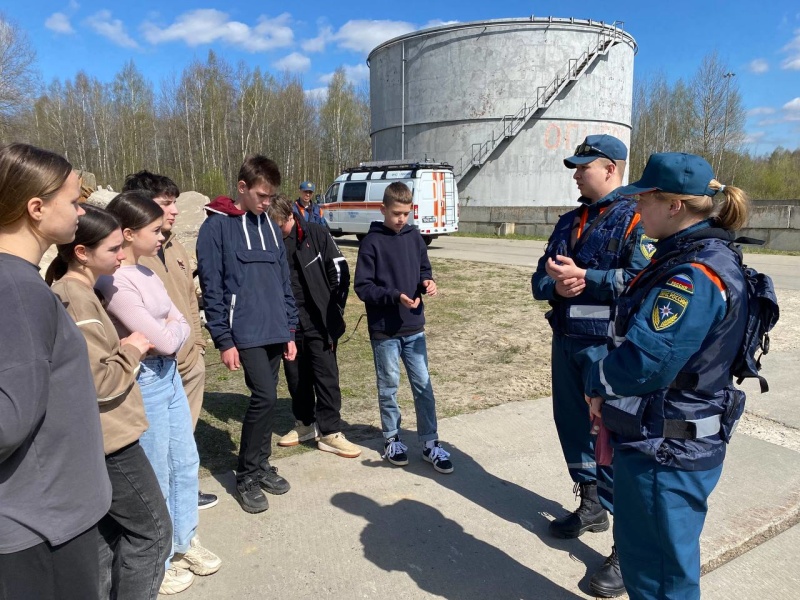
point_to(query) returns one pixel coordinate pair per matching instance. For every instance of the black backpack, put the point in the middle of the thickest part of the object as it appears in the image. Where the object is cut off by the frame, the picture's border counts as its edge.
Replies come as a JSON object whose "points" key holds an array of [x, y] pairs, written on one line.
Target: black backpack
{"points": [[762, 314]]}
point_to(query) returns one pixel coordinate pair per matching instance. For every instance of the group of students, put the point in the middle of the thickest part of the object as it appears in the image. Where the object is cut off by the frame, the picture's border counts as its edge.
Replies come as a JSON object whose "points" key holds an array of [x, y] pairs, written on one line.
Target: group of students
{"points": [[99, 489], [274, 288], [648, 309], [106, 356], [102, 379]]}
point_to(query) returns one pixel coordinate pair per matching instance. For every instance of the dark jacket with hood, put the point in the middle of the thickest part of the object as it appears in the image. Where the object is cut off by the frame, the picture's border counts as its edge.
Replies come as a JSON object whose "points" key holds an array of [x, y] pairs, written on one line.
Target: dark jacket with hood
{"points": [[244, 276], [389, 264], [325, 274]]}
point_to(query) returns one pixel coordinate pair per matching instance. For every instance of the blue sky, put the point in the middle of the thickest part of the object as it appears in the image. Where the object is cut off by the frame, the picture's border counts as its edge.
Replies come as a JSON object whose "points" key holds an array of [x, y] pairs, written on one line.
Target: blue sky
{"points": [[759, 41]]}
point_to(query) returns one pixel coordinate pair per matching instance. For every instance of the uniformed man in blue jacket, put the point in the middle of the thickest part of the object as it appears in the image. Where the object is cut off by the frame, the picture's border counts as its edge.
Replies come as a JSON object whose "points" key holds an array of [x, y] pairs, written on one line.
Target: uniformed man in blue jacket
{"points": [[593, 252]]}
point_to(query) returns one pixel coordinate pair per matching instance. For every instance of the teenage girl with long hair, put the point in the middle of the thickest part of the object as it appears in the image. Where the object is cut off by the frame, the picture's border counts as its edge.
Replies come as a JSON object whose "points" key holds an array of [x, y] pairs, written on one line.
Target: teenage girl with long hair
{"points": [[54, 486], [138, 301], [137, 531]]}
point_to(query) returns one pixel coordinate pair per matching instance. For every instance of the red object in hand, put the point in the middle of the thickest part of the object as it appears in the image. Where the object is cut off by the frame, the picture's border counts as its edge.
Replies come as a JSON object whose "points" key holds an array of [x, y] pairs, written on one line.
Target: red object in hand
{"points": [[603, 452]]}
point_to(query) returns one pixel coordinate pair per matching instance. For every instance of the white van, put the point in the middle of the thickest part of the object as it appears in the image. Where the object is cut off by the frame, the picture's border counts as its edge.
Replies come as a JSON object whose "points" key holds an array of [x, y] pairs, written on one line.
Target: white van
{"points": [[354, 200]]}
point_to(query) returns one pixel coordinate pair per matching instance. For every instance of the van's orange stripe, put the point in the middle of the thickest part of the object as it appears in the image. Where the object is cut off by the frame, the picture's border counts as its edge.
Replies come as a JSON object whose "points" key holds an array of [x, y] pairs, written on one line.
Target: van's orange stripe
{"points": [[711, 275], [352, 205]]}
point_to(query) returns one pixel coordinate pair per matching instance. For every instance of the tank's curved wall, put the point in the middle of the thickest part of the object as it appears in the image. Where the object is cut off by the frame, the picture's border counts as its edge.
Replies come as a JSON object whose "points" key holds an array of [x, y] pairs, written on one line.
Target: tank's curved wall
{"points": [[459, 82]]}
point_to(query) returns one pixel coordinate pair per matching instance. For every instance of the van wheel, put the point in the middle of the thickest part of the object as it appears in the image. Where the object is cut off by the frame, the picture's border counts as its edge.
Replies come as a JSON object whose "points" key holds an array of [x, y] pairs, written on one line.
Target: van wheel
{"points": [[427, 239], [360, 236]]}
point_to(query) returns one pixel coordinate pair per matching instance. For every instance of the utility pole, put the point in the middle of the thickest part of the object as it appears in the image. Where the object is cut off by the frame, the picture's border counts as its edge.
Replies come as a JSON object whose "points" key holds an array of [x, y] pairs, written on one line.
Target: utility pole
{"points": [[727, 77]]}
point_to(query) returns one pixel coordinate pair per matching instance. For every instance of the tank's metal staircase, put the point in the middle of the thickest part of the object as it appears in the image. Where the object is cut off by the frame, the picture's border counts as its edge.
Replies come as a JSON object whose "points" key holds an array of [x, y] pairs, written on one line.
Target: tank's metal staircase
{"points": [[511, 125]]}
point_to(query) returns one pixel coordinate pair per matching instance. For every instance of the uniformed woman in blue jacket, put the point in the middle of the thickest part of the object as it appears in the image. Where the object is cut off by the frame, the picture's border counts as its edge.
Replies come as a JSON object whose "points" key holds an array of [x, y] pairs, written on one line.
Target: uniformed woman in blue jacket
{"points": [[665, 389]]}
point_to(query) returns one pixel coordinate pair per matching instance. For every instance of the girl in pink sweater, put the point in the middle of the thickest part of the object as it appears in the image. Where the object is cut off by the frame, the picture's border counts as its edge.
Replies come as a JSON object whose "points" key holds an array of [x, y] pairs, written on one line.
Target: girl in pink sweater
{"points": [[138, 301]]}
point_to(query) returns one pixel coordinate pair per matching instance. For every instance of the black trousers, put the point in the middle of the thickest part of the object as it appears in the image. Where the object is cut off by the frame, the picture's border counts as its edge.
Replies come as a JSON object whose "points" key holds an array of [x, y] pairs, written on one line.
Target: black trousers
{"points": [[313, 381], [69, 571], [261, 369], [136, 532]]}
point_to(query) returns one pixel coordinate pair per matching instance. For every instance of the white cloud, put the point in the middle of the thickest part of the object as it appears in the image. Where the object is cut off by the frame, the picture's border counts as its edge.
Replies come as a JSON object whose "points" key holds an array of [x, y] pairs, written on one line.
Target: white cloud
{"points": [[354, 74], [760, 110], [792, 62], [59, 22], [111, 29], [438, 23], [295, 62], [758, 66], [755, 137], [205, 26], [319, 93], [363, 35], [791, 110], [73, 6], [317, 44]]}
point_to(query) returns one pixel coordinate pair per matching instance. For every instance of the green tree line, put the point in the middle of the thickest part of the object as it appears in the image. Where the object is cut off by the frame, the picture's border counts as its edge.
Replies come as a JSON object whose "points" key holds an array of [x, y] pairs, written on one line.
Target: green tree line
{"points": [[705, 115], [198, 125]]}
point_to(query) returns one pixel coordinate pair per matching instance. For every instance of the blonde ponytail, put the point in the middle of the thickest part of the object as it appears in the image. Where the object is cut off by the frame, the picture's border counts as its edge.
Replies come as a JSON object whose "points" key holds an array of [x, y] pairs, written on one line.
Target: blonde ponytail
{"points": [[735, 209]]}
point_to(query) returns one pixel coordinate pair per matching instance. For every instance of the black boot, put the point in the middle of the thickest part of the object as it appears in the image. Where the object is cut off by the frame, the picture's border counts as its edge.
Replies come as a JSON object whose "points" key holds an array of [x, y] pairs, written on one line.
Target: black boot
{"points": [[590, 516], [607, 582]]}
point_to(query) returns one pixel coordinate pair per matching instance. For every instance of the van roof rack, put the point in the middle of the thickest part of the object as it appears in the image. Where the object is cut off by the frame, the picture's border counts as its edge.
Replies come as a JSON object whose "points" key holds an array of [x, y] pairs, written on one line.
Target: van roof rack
{"points": [[382, 165]]}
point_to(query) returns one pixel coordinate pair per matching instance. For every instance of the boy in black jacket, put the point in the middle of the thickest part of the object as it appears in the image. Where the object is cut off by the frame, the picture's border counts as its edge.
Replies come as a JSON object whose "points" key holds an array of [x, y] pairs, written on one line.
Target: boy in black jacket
{"points": [[392, 274], [320, 284]]}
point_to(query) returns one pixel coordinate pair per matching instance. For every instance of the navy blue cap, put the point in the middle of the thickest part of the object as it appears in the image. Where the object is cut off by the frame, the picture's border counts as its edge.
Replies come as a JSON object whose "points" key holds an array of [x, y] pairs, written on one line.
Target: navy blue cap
{"points": [[597, 146], [307, 186], [675, 173]]}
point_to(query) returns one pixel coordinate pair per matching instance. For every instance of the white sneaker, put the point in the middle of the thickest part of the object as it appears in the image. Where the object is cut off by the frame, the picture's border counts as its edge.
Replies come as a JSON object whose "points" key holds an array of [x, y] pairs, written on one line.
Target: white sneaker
{"points": [[175, 581], [197, 559], [338, 444], [300, 433]]}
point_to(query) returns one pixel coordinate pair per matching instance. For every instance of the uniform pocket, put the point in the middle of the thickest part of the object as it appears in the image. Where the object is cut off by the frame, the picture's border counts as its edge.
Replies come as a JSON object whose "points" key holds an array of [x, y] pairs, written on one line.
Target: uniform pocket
{"points": [[623, 416], [734, 408]]}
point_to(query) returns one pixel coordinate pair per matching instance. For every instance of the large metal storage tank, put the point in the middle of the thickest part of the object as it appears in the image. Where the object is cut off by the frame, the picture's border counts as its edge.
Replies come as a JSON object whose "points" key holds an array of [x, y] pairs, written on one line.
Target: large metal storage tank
{"points": [[444, 92]]}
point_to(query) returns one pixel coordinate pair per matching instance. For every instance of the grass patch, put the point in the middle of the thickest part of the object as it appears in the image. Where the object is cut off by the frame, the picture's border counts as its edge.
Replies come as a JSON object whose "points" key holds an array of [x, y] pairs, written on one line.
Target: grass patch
{"points": [[488, 344]]}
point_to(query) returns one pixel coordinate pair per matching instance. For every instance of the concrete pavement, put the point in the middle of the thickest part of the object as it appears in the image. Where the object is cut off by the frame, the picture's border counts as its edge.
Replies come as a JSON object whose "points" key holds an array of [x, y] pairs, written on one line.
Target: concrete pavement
{"points": [[364, 529]]}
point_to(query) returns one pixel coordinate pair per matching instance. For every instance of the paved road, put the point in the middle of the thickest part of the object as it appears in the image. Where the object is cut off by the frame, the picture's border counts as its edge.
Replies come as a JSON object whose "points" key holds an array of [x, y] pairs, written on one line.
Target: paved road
{"points": [[784, 270]]}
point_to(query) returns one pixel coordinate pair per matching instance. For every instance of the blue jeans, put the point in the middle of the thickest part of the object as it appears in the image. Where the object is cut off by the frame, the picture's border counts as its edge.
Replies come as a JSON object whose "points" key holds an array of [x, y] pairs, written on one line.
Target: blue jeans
{"points": [[413, 351], [169, 445], [659, 515]]}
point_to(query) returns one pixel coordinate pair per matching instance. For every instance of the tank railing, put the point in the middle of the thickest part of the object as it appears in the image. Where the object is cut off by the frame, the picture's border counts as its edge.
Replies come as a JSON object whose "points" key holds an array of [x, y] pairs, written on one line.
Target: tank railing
{"points": [[545, 95]]}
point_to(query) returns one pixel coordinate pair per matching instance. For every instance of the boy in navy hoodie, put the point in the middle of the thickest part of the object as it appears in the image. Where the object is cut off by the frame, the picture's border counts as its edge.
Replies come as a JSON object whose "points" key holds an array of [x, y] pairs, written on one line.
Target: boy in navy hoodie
{"points": [[392, 274], [250, 313]]}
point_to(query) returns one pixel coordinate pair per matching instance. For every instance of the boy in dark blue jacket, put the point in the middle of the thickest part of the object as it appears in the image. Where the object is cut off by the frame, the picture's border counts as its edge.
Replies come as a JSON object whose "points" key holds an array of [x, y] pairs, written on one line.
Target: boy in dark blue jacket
{"points": [[392, 274], [250, 313]]}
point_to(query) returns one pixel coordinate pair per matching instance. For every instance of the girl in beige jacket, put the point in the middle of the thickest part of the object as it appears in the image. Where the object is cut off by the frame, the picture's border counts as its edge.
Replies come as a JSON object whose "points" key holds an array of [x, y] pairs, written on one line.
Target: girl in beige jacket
{"points": [[137, 531]]}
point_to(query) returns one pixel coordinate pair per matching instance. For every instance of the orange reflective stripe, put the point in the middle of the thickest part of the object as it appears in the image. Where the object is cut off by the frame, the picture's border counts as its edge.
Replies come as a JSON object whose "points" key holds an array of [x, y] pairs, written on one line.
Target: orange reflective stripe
{"points": [[582, 225], [711, 275], [634, 221]]}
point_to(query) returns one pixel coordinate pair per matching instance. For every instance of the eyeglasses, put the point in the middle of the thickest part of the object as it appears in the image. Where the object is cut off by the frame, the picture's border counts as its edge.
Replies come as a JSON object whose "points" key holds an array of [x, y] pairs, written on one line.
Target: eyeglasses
{"points": [[587, 149]]}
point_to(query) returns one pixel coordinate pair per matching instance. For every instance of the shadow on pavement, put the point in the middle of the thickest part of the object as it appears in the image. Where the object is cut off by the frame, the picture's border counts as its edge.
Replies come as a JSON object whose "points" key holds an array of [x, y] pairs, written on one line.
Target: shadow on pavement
{"points": [[439, 556], [505, 499]]}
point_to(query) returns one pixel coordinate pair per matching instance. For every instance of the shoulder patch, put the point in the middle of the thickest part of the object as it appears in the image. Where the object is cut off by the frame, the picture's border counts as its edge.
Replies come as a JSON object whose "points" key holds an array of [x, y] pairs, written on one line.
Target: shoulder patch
{"points": [[682, 282], [647, 246], [668, 309]]}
